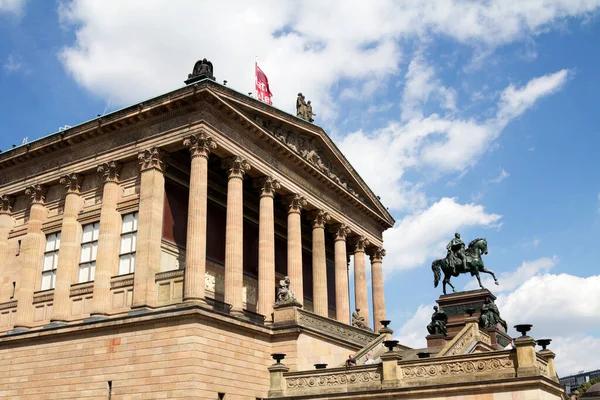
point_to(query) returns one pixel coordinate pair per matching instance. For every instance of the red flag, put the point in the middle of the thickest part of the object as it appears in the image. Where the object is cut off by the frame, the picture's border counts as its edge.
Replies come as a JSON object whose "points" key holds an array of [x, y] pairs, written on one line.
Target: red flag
{"points": [[263, 93]]}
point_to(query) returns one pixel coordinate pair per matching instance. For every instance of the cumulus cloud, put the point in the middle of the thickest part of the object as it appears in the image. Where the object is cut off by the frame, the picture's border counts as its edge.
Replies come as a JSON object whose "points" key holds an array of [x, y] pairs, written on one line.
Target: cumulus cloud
{"points": [[14, 7], [413, 332]]}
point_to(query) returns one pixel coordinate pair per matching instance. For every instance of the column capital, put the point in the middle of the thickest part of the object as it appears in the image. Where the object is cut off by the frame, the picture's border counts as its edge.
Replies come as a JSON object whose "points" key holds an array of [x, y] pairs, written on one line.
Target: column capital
{"points": [[110, 171], [6, 203], [200, 144], [267, 185], [295, 202], [319, 218], [341, 231], [376, 253], [72, 183], [236, 167], [37, 193], [153, 158], [359, 243]]}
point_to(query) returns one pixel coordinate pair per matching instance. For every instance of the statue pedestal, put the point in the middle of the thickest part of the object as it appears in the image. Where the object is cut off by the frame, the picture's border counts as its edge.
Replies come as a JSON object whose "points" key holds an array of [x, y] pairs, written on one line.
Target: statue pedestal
{"points": [[437, 340], [455, 306]]}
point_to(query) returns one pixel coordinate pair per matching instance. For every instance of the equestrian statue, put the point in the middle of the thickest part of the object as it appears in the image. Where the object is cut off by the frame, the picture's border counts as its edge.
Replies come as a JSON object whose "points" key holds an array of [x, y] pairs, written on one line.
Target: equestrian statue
{"points": [[461, 260]]}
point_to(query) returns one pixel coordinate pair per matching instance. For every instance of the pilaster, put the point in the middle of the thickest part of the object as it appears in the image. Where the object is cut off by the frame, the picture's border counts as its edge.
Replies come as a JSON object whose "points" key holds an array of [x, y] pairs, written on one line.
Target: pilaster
{"points": [[32, 251], [342, 299], [266, 244], [376, 256], [7, 222], [526, 356], [109, 236], [68, 256], [320, 301], [360, 277], [200, 146], [150, 216], [234, 234], [295, 203]]}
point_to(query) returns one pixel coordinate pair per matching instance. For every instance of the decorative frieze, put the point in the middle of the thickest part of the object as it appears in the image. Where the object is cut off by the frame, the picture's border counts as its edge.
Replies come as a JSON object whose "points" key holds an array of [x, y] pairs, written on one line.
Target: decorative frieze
{"points": [[342, 378], [295, 202], [37, 193], [267, 185], [461, 344], [153, 158], [457, 368], [72, 182], [110, 171], [336, 329], [236, 166], [200, 144]]}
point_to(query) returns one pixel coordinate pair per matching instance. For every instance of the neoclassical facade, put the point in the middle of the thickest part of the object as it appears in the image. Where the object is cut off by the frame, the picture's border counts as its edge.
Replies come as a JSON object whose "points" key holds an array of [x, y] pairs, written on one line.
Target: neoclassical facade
{"points": [[140, 255]]}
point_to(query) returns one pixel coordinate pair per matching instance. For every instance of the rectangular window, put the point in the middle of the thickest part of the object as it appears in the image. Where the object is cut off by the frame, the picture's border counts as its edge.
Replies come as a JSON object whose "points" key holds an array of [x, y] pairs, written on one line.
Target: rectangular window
{"points": [[50, 261], [89, 250], [128, 244]]}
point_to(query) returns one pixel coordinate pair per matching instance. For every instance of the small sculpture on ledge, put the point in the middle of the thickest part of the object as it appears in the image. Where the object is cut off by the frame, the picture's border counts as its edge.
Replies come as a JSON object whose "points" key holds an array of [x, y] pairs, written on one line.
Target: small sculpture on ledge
{"points": [[359, 321], [439, 319], [304, 109], [202, 69], [285, 297], [490, 316]]}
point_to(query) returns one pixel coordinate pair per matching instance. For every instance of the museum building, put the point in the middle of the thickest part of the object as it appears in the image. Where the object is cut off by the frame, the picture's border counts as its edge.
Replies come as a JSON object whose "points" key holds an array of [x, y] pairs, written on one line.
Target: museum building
{"points": [[141, 254]]}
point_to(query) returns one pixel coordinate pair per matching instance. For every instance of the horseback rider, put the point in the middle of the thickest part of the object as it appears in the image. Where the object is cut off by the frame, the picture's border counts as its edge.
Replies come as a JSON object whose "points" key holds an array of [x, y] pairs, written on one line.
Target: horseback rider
{"points": [[456, 249]]}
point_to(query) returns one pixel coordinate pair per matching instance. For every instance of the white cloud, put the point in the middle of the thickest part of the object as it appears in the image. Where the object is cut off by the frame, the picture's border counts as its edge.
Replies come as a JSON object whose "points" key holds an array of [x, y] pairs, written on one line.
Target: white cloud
{"points": [[501, 176], [14, 7], [575, 353], [423, 236], [414, 330], [13, 64]]}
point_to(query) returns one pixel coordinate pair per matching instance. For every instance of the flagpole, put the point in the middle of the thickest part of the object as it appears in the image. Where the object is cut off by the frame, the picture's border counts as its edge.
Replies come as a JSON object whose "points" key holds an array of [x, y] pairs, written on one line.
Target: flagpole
{"points": [[255, 64]]}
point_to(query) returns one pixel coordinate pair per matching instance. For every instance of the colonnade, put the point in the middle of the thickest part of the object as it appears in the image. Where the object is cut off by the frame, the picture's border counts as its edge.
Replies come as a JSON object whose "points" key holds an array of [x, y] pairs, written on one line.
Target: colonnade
{"points": [[148, 250]]}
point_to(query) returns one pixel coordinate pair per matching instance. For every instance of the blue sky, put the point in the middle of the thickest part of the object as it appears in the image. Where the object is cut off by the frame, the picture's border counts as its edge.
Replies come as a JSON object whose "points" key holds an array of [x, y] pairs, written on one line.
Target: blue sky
{"points": [[476, 117]]}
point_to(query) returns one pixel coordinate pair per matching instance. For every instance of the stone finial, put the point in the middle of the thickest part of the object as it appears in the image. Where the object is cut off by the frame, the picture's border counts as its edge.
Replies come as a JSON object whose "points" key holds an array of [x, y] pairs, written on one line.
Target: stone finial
{"points": [[6, 203], [267, 185], [200, 144], [360, 243], [72, 182], [236, 166], [295, 202], [37, 193], [153, 158], [341, 231], [319, 218], [110, 171], [376, 254]]}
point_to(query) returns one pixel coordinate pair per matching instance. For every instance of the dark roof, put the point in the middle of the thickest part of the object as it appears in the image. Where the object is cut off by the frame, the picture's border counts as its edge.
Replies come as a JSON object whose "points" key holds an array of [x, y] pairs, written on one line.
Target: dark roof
{"points": [[593, 391]]}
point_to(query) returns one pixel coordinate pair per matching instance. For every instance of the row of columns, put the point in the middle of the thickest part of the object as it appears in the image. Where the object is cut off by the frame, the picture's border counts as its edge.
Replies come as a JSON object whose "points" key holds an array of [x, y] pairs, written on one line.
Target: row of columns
{"points": [[148, 249]]}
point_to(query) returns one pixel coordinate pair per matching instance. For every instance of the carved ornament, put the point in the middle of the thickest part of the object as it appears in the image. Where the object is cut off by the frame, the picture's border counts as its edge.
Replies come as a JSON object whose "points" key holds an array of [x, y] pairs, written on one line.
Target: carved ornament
{"points": [[72, 182], [110, 171], [377, 254], [458, 368], [37, 193], [340, 330], [153, 158], [319, 218], [341, 231], [267, 185], [236, 166], [461, 345], [200, 144], [360, 243], [6, 203], [334, 379], [295, 202]]}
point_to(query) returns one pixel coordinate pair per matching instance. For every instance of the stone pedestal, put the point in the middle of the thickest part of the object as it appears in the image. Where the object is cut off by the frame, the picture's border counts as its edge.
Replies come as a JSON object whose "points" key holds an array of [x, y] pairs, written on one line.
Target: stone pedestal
{"points": [[437, 340]]}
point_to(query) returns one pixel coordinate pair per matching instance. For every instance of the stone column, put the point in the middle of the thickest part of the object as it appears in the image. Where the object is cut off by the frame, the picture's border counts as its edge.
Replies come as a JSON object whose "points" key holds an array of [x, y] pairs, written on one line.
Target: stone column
{"points": [[376, 256], [319, 268], [342, 299], [150, 218], [32, 253], [360, 278], [295, 203], [68, 255], [266, 245], [234, 233], [6, 224], [200, 146], [109, 238]]}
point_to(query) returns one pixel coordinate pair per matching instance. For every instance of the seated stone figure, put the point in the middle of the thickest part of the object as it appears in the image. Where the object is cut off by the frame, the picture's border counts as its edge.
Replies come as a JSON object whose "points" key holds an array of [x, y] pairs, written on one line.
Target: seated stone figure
{"points": [[439, 319], [359, 321], [284, 295], [490, 316]]}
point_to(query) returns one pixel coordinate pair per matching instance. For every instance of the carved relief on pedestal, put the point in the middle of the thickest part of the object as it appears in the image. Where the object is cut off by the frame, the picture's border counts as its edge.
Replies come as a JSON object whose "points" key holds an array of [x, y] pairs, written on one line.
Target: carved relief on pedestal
{"points": [[200, 144], [153, 158], [457, 368], [334, 379]]}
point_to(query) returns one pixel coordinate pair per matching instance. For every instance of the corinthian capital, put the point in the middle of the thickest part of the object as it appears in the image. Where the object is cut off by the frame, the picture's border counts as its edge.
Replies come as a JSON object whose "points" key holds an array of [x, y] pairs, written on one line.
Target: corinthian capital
{"points": [[236, 166], [267, 185], [360, 243], [200, 144], [110, 171], [6, 203], [295, 202], [319, 218], [341, 231], [72, 182], [376, 254], [153, 158], [37, 193]]}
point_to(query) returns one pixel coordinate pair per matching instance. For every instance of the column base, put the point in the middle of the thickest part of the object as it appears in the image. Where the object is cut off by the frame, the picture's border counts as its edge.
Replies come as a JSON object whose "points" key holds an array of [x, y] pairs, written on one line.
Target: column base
{"points": [[197, 301]]}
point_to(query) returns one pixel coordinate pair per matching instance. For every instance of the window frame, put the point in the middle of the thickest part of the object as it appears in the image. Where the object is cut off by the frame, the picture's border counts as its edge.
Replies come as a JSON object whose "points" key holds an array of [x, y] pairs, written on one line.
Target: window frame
{"points": [[130, 252], [91, 246], [54, 254]]}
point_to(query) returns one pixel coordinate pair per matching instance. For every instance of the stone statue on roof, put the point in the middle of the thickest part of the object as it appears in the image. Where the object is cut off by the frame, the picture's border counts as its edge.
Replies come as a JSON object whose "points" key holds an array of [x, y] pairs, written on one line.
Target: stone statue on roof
{"points": [[285, 296], [439, 319], [490, 316], [202, 69], [359, 321], [304, 109]]}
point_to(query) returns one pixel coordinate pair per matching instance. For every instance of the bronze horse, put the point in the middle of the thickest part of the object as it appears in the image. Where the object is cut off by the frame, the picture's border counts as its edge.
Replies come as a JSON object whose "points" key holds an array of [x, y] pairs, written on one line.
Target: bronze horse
{"points": [[476, 248]]}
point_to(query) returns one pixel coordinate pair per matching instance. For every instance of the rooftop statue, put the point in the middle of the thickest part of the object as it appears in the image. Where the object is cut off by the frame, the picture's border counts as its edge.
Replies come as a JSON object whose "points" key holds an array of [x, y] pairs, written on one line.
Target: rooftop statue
{"points": [[304, 109], [285, 296], [359, 321], [461, 261], [439, 319], [490, 316], [202, 69]]}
